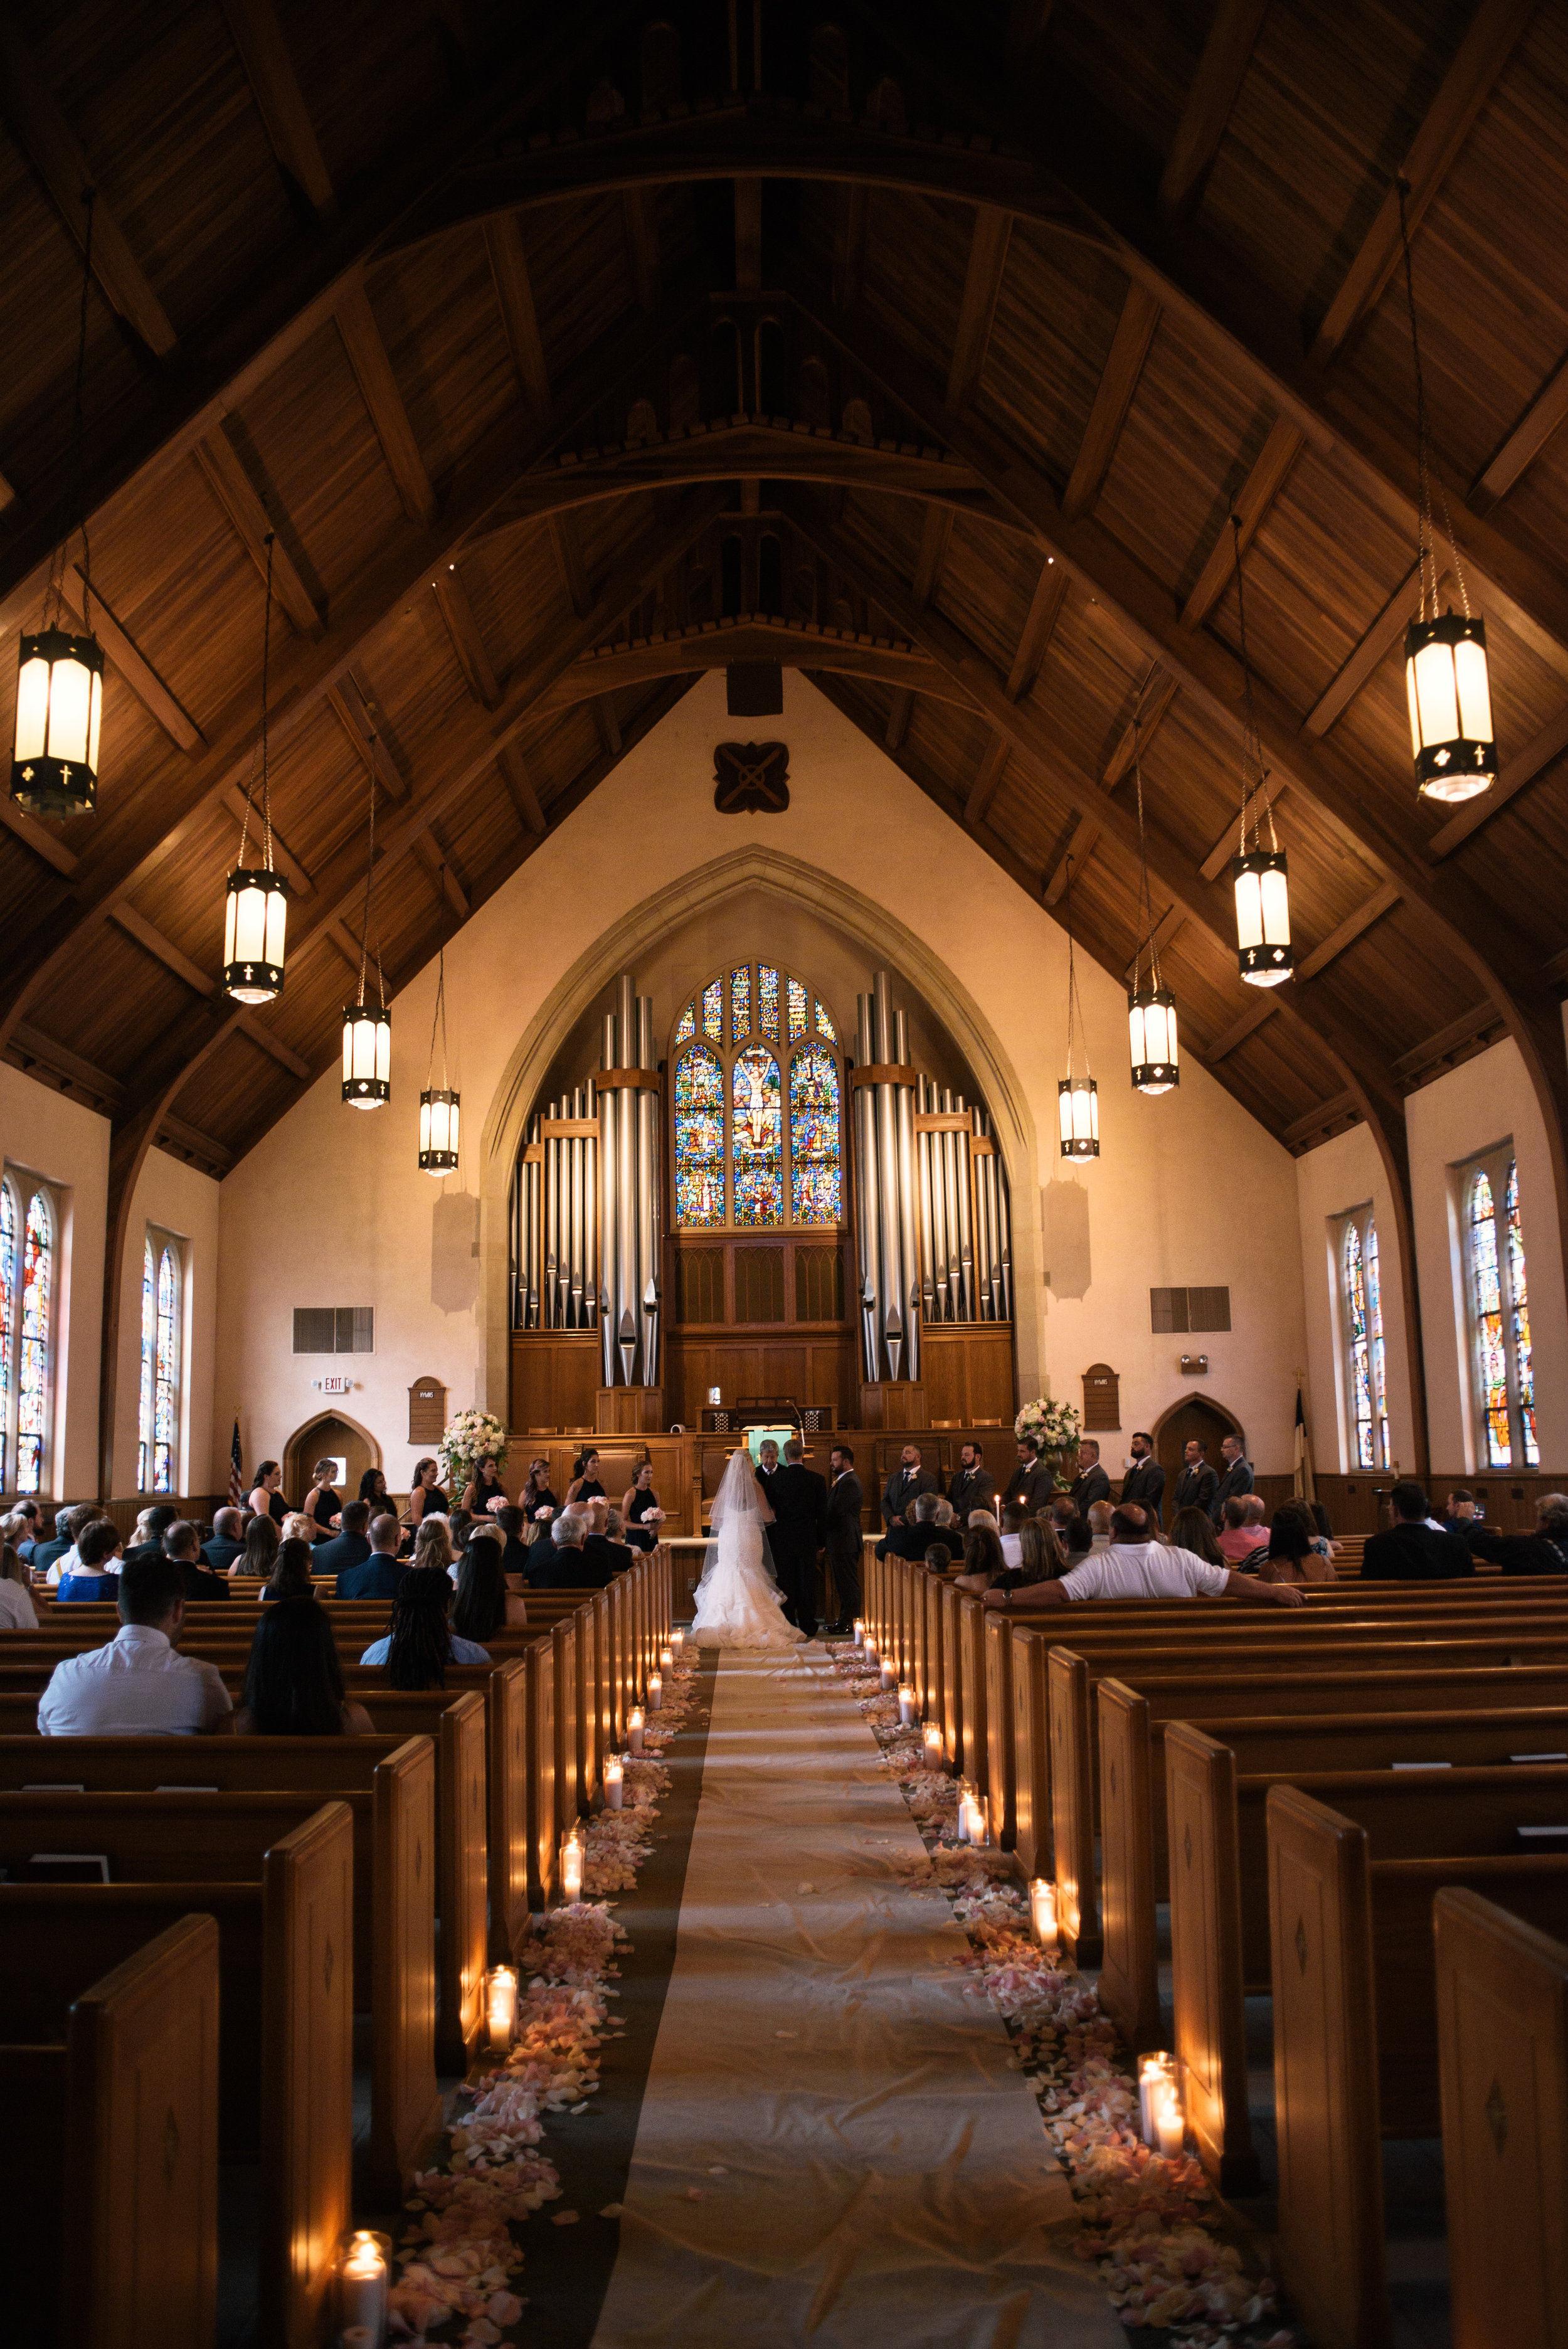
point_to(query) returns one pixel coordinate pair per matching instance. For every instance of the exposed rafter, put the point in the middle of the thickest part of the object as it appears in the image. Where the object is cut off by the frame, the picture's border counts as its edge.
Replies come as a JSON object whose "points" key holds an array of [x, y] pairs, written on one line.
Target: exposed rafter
{"points": [[1222, 68], [275, 86], [1129, 349]]}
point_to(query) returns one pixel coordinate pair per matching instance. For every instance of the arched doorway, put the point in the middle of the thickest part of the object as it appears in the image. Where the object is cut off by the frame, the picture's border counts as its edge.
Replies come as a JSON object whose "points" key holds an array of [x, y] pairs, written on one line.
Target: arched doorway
{"points": [[1196, 1416], [329, 1435]]}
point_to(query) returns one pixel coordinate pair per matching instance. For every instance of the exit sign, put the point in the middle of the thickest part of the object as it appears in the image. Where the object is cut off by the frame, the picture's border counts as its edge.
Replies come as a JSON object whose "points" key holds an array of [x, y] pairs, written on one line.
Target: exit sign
{"points": [[336, 1384]]}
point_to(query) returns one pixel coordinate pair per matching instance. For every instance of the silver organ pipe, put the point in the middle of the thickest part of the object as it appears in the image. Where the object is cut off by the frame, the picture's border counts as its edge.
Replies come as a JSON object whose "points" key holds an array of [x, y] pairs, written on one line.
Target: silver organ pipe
{"points": [[922, 1142], [610, 1100], [910, 1267], [589, 1212], [866, 1197]]}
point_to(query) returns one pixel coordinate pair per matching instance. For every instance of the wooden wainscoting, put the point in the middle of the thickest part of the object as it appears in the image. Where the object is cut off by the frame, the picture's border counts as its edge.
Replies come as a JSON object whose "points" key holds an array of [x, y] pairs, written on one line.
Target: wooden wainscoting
{"points": [[814, 1366], [966, 1370], [555, 1377]]}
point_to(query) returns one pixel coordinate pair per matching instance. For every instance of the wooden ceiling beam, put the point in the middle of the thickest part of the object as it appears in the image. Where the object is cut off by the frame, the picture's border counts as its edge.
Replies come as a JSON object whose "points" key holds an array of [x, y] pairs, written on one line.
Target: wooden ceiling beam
{"points": [[514, 295], [1155, 697], [849, 246], [231, 485], [1246, 1024], [1166, 932], [1354, 925], [354, 706], [467, 643], [37, 837], [934, 534], [1267, 795], [987, 779], [182, 1140], [137, 671], [232, 798], [977, 307], [164, 950], [1119, 381], [608, 669], [1480, 57], [250, 1026], [1385, 631], [279, 102], [1437, 1052], [1319, 1120], [1529, 437], [1524, 768], [1039, 626], [1270, 470], [430, 852], [1073, 858], [639, 216], [31, 1050], [47, 140], [384, 402], [521, 790], [1214, 89], [567, 548]]}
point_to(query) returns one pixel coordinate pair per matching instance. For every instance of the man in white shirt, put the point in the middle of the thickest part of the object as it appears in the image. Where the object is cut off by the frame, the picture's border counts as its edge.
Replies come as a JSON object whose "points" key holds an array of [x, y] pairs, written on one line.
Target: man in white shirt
{"points": [[1136, 1567], [1099, 1515], [140, 1685]]}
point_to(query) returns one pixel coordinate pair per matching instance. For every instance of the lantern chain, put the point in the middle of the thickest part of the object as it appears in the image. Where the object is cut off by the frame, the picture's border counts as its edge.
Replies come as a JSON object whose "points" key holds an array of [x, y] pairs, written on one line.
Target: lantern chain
{"points": [[1425, 552], [1146, 902], [1256, 791], [55, 593], [369, 881], [262, 747], [439, 1018], [1075, 1004]]}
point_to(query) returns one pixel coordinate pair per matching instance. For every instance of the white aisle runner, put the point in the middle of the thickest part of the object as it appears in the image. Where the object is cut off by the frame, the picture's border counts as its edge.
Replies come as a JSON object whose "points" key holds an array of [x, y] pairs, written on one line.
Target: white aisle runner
{"points": [[886, 2177]]}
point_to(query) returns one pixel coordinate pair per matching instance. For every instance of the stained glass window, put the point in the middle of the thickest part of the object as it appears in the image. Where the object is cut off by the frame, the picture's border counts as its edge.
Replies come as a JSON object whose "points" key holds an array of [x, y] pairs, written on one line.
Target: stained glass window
{"points": [[1486, 1293], [1520, 1306], [149, 1356], [8, 1322], [166, 1377], [1380, 1354], [767, 1004], [756, 1138], [796, 1010], [815, 1151], [713, 1011], [740, 1004], [824, 1025], [33, 1369], [700, 1137], [686, 1027], [1359, 1349]]}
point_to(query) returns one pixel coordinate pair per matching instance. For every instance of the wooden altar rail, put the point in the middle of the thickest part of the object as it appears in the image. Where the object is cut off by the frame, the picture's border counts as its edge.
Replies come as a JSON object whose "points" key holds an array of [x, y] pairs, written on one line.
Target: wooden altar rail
{"points": [[273, 2053], [1358, 2047], [108, 2165]]}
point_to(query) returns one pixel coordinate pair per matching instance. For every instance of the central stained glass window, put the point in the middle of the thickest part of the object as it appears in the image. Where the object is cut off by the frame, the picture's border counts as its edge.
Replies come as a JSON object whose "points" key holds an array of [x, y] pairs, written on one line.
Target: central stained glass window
{"points": [[758, 1130]]}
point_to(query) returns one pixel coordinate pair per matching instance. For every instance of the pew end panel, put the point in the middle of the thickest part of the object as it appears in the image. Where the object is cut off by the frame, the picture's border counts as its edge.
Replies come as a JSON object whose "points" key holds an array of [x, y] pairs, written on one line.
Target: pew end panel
{"points": [[405, 2099], [568, 1792], [952, 1679], [307, 2097], [542, 1841], [1001, 1800], [1210, 2015], [1072, 1819], [1503, 2033], [1326, 2112], [1031, 1771], [462, 1876], [971, 1700], [1129, 1966], [507, 1784]]}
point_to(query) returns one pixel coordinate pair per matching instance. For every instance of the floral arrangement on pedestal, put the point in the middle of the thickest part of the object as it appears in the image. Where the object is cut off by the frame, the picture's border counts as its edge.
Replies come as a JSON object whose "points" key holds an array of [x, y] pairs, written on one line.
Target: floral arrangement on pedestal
{"points": [[1053, 1426], [472, 1436]]}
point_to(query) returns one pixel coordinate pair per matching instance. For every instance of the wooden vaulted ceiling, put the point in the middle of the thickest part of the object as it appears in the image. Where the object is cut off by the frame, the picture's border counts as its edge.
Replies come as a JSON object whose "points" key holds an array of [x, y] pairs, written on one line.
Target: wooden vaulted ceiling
{"points": [[938, 346]]}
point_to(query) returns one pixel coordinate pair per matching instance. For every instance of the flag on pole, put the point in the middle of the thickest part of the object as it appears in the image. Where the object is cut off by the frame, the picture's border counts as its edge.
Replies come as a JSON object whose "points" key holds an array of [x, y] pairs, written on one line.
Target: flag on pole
{"points": [[236, 1470], [1305, 1483]]}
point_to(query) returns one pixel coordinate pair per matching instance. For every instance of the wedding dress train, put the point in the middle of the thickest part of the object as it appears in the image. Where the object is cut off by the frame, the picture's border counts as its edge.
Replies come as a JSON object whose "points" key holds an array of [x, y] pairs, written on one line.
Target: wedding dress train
{"points": [[739, 1602]]}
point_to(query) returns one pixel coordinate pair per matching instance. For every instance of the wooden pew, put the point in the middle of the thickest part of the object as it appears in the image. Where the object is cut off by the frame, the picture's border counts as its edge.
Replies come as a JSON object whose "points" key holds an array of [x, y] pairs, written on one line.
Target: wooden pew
{"points": [[151, 1838], [1356, 2041], [108, 2160], [284, 2042], [1503, 2041], [1219, 1900]]}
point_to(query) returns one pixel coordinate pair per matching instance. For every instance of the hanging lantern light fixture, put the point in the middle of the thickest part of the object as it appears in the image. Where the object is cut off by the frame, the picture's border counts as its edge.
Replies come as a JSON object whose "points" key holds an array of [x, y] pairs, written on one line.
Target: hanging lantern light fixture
{"points": [[439, 1106], [255, 912], [366, 1027], [1150, 1006], [1077, 1097], [1446, 682], [59, 682], [1259, 875]]}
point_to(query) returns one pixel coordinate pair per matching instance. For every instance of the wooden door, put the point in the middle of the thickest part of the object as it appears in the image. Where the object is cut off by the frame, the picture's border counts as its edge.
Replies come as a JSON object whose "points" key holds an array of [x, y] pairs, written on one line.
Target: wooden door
{"points": [[1195, 1418], [328, 1437]]}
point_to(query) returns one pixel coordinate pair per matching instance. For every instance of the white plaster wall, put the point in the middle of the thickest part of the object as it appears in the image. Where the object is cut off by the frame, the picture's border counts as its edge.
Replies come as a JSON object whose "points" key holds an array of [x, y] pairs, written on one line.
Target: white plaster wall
{"points": [[1341, 1174], [44, 1133], [1455, 1118], [178, 1199], [330, 1208]]}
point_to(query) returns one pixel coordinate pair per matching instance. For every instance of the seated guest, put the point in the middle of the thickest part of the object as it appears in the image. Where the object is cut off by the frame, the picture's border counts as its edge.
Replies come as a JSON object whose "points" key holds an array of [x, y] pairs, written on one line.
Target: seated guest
{"points": [[1412, 1550], [96, 1574], [984, 1564], [49, 1557], [17, 1612], [293, 1680], [1459, 1512], [570, 1566], [321, 1503], [1137, 1567], [382, 1569], [349, 1549], [21, 1528], [484, 1605], [1240, 1536], [433, 1543], [290, 1576], [514, 1558], [606, 1546], [1545, 1551], [460, 1525], [1014, 1517], [1074, 1537], [421, 1643], [484, 1491], [140, 1685], [913, 1539], [297, 1526], [1060, 1508], [1091, 1482], [147, 1541], [426, 1497], [937, 1559], [228, 1543], [266, 1500], [1040, 1559], [640, 1509], [950, 1518], [261, 1551], [181, 1544], [1193, 1529], [1292, 1549], [1099, 1515]]}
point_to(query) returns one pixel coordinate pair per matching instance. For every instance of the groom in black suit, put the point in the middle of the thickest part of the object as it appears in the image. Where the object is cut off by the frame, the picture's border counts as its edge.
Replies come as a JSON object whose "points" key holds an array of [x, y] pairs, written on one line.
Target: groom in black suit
{"points": [[843, 1538], [798, 1499]]}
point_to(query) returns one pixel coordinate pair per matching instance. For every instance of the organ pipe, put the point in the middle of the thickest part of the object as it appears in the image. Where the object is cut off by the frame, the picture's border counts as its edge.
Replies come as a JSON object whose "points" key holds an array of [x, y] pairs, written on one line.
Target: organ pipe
{"points": [[866, 1191], [610, 1103], [909, 1269]]}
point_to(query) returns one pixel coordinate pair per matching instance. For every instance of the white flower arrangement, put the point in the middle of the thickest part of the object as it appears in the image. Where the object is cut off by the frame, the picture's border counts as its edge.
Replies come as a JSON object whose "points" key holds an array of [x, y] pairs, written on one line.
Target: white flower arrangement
{"points": [[470, 1437], [1053, 1426]]}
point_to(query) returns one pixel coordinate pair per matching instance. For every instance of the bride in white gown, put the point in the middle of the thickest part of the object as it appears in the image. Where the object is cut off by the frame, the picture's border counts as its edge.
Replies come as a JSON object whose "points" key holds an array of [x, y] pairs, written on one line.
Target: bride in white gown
{"points": [[739, 1602]]}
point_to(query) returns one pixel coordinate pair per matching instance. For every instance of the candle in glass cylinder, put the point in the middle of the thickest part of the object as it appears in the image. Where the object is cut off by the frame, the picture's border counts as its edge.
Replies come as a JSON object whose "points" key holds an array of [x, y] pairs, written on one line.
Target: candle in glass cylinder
{"points": [[572, 1868], [362, 2282], [677, 1640], [1043, 1911], [635, 1729], [655, 1691], [1168, 2121], [1153, 2073], [860, 1631], [614, 1780], [932, 1746], [666, 1658], [501, 2005], [905, 1704], [888, 1677], [973, 1819]]}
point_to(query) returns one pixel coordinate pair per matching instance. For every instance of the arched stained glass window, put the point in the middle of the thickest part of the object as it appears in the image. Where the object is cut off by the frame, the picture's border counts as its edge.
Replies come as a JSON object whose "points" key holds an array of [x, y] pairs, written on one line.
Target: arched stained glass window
{"points": [[1524, 1369], [1359, 1350], [166, 1374], [816, 1158], [8, 1326], [33, 1369], [700, 1137], [1486, 1306], [149, 1357], [685, 1027], [1363, 1355], [1380, 1355], [757, 1139], [1497, 1313], [825, 1026]]}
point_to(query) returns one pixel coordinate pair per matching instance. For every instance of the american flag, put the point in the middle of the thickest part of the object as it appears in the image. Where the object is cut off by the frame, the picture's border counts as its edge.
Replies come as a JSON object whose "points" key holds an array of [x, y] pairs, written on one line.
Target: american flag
{"points": [[236, 1470]]}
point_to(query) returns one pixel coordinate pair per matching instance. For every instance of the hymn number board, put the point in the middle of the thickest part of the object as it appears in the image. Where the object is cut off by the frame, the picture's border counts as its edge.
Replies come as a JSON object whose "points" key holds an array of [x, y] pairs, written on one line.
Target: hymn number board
{"points": [[1101, 1397], [427, 1411]]}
